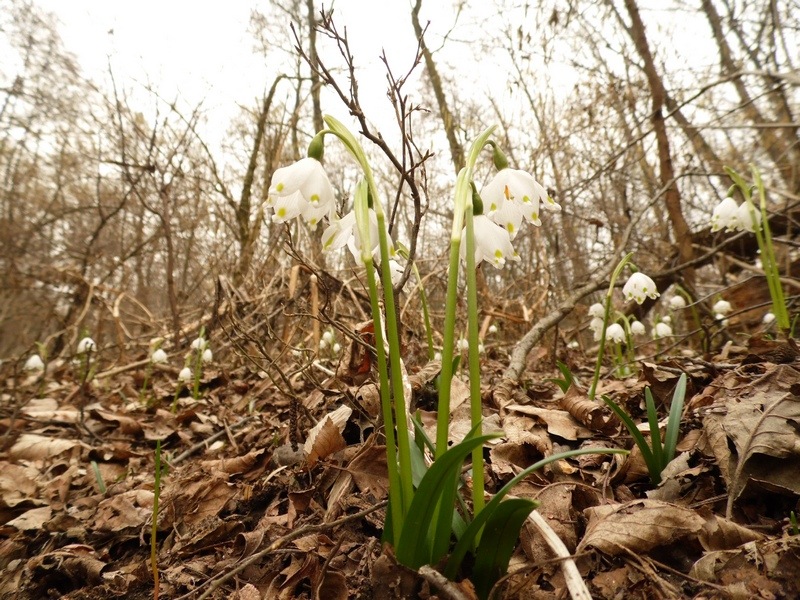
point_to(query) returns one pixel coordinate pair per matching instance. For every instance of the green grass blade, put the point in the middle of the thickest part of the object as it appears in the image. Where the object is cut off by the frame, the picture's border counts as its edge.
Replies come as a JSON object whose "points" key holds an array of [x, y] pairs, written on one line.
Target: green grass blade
{"points": [[655, 432], [497, 543], [674, 420], [434, 499], [638, 438]]}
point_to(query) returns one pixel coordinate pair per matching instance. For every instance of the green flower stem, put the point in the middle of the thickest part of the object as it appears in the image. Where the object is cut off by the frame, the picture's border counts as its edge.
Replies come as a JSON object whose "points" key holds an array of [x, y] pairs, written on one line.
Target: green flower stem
{"points": [[606, 317], [462, 197], [768, 257], [395, 488], [764, 239], [425, 312], [476, 413]]}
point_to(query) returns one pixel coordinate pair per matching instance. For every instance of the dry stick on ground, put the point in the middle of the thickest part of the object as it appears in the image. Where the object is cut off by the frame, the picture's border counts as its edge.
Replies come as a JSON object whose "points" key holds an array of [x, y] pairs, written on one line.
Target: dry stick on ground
{"points": [[276, 545]]}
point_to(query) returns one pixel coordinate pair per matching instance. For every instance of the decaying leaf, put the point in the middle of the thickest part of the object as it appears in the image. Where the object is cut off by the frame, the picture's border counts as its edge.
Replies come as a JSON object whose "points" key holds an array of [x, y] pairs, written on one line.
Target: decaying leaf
{"points": [[638, 526], [325, 437]]}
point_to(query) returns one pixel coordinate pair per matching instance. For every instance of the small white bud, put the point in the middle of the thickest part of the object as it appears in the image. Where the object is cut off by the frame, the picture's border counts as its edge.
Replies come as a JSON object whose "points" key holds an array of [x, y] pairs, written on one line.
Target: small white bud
{"points": [[323, 344], [208, 356], [573, 345], [722, 307], [199, 344], [481, 349], [597, 310], [666, 319], [492, 329], [327, 337], [185, 375], [437, 356], [768, 318], [662, 330], [159, 357], [86, 345], [337, 348], [34, 363], [677, 302]]}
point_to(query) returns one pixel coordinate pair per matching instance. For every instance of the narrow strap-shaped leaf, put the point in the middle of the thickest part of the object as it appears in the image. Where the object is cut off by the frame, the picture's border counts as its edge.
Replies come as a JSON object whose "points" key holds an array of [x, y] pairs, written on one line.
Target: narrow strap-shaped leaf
{"points": [[498, 541], [655, 432], [467, 540], [674, 420], [437, 489], [647, 454]]}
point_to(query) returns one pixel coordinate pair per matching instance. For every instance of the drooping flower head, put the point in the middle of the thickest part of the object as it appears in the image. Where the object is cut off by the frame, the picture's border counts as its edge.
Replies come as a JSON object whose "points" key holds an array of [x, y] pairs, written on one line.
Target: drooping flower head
{"points": [[86, 345], [344, 232], [677, 302], [492, 243], [185, 375], [662, 330], [725, 215], [637, 328], [747, 220], [615, 333], [638, 287], [301, 189], [722, 307], [159, 357], [513, 195], [597, 310], [34, 363]]}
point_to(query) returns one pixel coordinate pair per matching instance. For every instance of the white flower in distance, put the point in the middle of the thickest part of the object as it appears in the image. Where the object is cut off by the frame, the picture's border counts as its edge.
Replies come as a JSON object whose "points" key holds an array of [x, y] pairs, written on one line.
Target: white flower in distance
{"points": [[615, 333], [638, 287], [513, 195], [722, 307], [637, 328], [302, 188], [597, 310], [677, 303], [185, 375], [492, 243], [492, 329], [208, 356], [725, 215], [662, 330], [597, 327], [159, 357], [199, 344], [86, 345], [667, 319], [34, 363], [767, 319], [328, 337], [746, 219]]}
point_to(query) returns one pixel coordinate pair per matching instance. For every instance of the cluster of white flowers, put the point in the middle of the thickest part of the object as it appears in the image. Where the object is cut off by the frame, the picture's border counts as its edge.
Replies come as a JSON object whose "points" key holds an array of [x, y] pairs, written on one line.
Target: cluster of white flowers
{"points": [[735, 217], [511, 197], [638, 287], [329, 341]]}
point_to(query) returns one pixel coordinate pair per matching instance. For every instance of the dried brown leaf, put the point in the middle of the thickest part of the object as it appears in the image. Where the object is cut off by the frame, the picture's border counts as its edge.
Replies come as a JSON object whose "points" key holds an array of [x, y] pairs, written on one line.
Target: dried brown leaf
{"points": [[638, 526], [31, 446]]}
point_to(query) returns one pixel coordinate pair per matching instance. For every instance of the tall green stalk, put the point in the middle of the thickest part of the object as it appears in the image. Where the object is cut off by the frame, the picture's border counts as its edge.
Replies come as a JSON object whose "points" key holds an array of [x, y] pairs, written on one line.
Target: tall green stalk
{"points": [[764, 239], [395, 382], [606, 316]]}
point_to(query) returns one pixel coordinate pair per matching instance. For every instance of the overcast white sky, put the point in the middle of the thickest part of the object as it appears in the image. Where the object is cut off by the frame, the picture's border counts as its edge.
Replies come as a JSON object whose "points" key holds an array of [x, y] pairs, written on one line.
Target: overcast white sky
{"points": [[204, 52]]}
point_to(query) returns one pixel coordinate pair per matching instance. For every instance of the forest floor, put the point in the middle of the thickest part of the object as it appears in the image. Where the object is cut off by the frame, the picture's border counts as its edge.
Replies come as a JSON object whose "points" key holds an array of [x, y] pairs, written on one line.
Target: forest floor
{"points": [[254, 504]]}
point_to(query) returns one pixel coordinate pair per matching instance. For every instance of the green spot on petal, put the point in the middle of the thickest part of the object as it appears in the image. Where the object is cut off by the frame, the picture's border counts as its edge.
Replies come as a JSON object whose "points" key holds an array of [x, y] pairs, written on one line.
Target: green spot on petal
{"points": [[279, 187]]}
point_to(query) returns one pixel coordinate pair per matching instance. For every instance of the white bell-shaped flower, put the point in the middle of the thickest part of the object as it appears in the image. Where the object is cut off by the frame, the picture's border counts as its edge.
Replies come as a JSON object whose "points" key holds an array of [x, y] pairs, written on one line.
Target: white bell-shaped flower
{"points": [[34, 363], [767, 319], [208, 356], [86, 345], [597, 310], [662, 330], [185, 375], [725, 215], [597, 327], [199, 344], [722, 307], [748, 220], [512, 195], [638, 287], [492, 243], [302, 188], [637, 328], [677, 302], [615, 333], [158, 357]]}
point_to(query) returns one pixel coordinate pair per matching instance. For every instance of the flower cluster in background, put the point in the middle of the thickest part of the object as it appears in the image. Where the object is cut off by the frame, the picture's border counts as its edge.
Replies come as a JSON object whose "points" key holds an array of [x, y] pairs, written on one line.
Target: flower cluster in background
{"points": [[735, 217]]}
